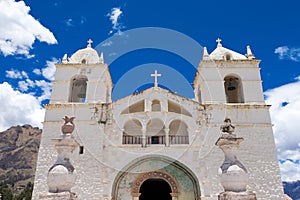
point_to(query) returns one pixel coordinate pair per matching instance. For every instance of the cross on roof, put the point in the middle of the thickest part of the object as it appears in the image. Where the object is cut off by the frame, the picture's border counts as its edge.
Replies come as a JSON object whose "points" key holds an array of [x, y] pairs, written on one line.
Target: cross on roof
{"points": [[155, 75], [219, 42], [89, 43]]}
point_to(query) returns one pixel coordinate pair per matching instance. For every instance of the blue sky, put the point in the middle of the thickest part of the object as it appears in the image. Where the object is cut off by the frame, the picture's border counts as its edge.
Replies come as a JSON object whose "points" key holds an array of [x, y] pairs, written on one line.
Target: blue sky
{"points": [[36, 34]]}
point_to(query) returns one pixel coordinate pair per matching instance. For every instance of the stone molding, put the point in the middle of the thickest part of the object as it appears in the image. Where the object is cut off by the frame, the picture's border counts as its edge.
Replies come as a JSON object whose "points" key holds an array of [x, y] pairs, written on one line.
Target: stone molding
{"points": [[155, 174]]}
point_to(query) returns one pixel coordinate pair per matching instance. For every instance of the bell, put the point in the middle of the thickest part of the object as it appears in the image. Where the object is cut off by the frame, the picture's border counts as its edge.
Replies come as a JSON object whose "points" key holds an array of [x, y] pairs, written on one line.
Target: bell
{"points": [[82, 91], [231, 84]]}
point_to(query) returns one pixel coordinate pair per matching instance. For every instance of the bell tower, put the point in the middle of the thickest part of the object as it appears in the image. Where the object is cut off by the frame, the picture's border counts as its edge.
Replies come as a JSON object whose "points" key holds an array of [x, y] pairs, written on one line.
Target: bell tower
{"points": [[82, 90], [82, 78], [225, 76]]}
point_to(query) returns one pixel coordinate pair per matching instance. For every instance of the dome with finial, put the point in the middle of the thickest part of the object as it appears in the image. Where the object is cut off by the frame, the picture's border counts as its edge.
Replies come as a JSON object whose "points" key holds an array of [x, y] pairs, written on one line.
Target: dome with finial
{"points": [[222, 53], [87, 55]]}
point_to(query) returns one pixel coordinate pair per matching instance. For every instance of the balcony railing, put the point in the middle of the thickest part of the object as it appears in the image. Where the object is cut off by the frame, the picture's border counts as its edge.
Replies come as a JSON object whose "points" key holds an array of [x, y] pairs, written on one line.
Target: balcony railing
{"points": [[178, 139], [128, 139], [173, 139]]}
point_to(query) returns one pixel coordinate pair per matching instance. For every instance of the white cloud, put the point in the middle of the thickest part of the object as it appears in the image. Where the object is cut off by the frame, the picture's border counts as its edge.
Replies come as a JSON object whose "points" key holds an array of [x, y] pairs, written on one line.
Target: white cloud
{"points": [[290, 171], [288, 53], [49, 71], [19, 29], [16, 74], [46, 88], [285, 101], [82, 20], [24, 85], [19, 108], [69, 22], [114, 17], [37, 71], [107, 43]]}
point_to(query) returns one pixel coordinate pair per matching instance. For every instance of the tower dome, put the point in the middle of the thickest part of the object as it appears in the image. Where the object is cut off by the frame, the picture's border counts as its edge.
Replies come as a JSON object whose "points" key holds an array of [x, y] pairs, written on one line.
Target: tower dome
{"points": [[87, 55]]}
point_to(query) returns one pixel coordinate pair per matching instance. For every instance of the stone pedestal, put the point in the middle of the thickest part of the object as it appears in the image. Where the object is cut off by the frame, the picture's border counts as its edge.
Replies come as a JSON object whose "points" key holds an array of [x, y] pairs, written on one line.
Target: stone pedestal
{"points": [[237, 196], [59, 196], [61, 176], [233, 174]]}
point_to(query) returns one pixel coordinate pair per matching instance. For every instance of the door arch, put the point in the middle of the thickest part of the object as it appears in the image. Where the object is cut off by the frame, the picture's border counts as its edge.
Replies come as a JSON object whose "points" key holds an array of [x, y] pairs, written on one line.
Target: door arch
{"points": [[154, 175], [137, 171]]}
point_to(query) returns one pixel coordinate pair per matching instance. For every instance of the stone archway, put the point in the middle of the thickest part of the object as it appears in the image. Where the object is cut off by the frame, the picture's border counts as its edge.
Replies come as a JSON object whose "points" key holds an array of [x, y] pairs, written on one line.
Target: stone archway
{"points": [[128, 181], [155, 175]]}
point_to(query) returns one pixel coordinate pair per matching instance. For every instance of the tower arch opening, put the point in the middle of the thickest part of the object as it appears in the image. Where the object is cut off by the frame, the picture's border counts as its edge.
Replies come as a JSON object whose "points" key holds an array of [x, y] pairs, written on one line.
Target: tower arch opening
{"points": [[78, 89], [233, 89]]}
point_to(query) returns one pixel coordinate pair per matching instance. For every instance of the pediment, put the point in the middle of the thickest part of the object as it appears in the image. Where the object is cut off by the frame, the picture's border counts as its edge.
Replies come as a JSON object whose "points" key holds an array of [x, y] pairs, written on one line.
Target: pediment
{"points": [[155, 100]]}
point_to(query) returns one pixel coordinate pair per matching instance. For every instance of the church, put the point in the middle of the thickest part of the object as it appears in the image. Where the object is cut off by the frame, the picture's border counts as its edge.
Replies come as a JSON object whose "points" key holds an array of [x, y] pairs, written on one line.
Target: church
{"points": [[154, 144]]}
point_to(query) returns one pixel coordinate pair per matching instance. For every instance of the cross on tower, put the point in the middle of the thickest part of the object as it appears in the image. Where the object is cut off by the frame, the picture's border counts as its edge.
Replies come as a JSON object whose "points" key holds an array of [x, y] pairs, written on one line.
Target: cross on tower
{"points": [[155, 75], [219, 42], [89, 43]]}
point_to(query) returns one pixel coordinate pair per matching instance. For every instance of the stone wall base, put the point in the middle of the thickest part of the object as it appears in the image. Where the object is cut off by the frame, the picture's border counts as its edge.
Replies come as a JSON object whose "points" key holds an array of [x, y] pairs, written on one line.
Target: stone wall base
{"points": [[237, 196], [58, 196]]}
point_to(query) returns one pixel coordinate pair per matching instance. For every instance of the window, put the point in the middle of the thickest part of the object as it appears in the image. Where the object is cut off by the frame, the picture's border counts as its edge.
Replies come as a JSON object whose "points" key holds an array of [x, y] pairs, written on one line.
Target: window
{"points": [[155, 105], [227, 56]]}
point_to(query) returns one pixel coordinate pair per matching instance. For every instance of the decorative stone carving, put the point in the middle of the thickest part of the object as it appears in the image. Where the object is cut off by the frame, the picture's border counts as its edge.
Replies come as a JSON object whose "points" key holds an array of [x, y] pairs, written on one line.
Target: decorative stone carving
{"points": [[68, 126], [227, 127], [61, 176], [155, 174], [233, 174]]}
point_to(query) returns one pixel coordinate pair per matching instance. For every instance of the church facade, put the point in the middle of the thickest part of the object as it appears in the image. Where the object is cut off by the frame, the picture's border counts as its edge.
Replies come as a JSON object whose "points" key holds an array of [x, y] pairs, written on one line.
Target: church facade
{"points": [[156, 140]]}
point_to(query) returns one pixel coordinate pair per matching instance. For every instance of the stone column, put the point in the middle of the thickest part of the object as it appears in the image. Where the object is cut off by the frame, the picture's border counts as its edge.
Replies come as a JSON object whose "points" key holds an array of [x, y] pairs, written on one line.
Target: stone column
{"points": [[167, 130], [136, 196], [174, 196], [144, 138]]}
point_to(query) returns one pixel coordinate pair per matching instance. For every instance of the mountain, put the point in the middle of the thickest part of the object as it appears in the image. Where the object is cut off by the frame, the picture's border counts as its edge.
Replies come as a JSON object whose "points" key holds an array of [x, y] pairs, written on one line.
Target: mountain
{"points": [[18, 155], [292, 189]]}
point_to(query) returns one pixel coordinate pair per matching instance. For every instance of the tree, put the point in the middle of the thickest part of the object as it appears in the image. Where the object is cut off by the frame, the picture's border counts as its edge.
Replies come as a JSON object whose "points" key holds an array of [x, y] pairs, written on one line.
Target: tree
{"points": [[6, 192]]}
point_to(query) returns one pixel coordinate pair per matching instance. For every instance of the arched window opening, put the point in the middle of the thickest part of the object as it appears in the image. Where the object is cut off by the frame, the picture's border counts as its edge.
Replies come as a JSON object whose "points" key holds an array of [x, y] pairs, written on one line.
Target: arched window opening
{"points": [[227, 56], [83, 61], [78, 89], [233, 90], [178, 132], [132, 133], [155, 132], [156, 105], [137, 107], [176, 108]]}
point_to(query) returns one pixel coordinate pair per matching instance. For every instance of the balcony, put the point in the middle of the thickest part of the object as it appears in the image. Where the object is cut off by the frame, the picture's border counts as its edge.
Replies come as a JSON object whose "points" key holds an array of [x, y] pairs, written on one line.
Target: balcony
{"points": [[173, 139]]}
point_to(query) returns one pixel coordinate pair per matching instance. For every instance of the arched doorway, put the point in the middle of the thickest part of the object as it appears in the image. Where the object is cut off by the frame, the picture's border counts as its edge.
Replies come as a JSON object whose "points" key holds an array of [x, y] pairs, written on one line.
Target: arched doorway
{"points": [[157, 189], [157, 185], [182, 181]]}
